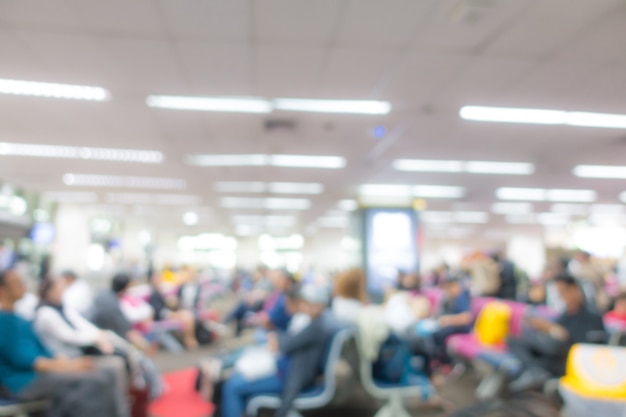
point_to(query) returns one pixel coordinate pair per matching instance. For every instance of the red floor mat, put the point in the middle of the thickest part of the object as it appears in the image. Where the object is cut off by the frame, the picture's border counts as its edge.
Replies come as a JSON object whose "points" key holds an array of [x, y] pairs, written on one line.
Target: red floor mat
{"points": [[181, 400]]}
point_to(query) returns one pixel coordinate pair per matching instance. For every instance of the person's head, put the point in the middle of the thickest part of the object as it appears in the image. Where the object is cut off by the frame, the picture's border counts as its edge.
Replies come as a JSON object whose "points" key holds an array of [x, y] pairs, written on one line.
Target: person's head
{"points": [[582, 256], [620, 303], [453, 287], [51, 291], [570, 292], [293, 301], [12, 287], [351, 285], [282, 280], [69, 276], [156, 279], [313, 300], [409, 282], [120, 283]]}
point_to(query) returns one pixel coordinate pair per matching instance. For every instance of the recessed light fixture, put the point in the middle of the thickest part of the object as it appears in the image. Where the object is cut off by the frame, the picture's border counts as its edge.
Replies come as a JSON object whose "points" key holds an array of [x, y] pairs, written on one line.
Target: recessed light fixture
{"points": [[332, 106], [260, 220], [53, 90], [541, 194], [570, 209], [512, 208], [290, 161], [190, 218], [77, 152], [543, 116], [216, 104], [260, 105], [70, 197], [266, 203], [348, 205], [418, 191], [272, 187], [90, 180], [472, 167], [600, 171], [158, 199]]}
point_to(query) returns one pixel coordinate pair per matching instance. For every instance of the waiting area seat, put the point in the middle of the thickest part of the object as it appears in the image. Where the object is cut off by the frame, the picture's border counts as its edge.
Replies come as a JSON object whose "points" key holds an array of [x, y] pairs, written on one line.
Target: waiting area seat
{"points": [[316, 397], [12, 408]]}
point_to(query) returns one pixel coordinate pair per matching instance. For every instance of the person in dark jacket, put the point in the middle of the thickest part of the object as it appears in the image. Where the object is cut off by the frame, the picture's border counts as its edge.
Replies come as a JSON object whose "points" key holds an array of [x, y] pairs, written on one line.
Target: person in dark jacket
{"points": [[164, 310], [302, 355]]}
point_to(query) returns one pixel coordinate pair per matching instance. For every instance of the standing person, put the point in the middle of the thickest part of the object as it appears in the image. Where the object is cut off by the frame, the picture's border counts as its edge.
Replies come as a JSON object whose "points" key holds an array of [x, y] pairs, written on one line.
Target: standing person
{"points": [[30, 372], [77, 295], [508, 280], [592, 279], [543, 351]]}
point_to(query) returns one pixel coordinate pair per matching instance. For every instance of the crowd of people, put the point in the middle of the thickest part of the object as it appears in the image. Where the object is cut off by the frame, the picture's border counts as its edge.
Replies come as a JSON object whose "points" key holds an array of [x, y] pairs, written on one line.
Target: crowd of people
{"points": [[85, 353]]}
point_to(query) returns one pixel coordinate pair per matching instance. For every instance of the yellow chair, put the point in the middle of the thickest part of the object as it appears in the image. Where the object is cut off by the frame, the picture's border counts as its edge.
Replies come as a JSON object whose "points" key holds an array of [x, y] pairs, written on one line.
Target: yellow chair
{"points": [[492, 324]]}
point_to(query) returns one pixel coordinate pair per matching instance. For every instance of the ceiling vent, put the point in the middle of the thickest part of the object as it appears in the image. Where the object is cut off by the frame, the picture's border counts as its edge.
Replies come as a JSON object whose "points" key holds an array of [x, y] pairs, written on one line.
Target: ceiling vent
{"points": [[280, 125]]}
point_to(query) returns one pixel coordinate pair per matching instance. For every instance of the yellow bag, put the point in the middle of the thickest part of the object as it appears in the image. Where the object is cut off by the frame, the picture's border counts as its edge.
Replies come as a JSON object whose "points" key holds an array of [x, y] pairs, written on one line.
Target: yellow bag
{"points": [[492, 324]]}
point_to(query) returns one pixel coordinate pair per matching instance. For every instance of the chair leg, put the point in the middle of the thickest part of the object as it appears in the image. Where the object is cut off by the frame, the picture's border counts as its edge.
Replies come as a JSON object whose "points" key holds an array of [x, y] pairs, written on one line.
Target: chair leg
{"points": [[490, 386], [294, 413], [393, 408]]}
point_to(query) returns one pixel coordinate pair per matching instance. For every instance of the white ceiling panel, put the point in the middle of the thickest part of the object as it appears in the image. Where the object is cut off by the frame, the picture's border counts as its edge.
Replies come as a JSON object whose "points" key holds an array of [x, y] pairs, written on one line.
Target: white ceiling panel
{"points": [[296, 22]]}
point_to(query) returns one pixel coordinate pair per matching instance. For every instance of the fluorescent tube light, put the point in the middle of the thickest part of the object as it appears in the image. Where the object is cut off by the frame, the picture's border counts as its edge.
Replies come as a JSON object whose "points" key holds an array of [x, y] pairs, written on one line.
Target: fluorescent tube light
{"points": [[91, 180], [227, 160], [380, 190], [542, 116], [436, 217], [521, 219], [607, 209], [333, 222], [571, 209], [438, 191], [190, 218], [332, 106], [240, 187], [216, 104], [552, 219], [295, 188], [348, 205], [53, 90], [159, 199], [600, 171], [505, 168], [69, 197], [424, 165], [541, 194], [77, 152], [512, 208], [478, 217], [266, 203], [260, 220], [306, 161]]}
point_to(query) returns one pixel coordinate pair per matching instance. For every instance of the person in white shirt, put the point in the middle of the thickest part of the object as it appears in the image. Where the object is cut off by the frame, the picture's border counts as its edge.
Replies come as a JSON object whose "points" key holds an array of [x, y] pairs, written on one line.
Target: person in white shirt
{"points": [[350, 295], [78, 295], [64, 331]]}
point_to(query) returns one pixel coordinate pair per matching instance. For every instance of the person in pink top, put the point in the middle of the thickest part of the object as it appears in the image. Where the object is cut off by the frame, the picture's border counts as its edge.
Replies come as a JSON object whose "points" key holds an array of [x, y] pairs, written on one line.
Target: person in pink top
{"points": [[617, 316]]}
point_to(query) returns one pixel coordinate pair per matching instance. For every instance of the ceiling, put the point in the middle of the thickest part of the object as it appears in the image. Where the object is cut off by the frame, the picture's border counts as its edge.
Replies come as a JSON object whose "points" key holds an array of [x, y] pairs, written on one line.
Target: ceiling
{"points": [[426, 57]]}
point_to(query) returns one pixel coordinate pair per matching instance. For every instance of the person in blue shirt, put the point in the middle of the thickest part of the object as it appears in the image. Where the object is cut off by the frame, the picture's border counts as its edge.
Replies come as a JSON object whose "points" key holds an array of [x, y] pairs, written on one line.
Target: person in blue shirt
{"points": [[28, 371]]}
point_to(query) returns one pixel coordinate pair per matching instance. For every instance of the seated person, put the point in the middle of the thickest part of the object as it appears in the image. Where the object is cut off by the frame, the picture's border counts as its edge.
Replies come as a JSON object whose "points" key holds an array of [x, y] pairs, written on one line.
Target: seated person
{"points": [[349, 295], [77, 295], [543, 350], [168, 310], [618, 314], [29, 371], [455, 318], [65, 332], [275, 315], [302, 354], [253, 299]]}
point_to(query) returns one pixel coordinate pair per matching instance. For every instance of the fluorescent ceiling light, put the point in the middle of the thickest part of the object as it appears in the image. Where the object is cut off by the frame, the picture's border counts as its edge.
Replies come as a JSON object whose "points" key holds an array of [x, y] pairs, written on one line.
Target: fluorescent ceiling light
{"points": [[272, 187], [77, 152], [438, 191], [217, 104], [425, 165], [266, 203], [512, 208], [381, 190], [521, 219], [333, 106], [260, 220], [333, 222], [190, 218], [306, 161], [291, 161], [159, 199], [571, 209], [542, 116], [600, 171], [472, 167], [436, 217], [91, 180], [348, 205], [69, 197], [504, 168], [552, 219], [607, 209], [53, 90], [478, 217], [541, 194]]}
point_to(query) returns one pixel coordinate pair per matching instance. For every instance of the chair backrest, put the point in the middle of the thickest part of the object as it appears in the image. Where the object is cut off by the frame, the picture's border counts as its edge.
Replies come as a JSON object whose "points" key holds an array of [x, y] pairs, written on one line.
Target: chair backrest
{"points": [[518, 311], [435, 298], [478, 303], [335, 345]]}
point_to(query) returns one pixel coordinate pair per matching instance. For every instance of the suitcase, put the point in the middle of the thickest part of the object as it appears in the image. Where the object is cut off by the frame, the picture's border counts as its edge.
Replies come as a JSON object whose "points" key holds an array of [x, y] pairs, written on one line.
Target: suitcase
{"points": [[139, 401]]}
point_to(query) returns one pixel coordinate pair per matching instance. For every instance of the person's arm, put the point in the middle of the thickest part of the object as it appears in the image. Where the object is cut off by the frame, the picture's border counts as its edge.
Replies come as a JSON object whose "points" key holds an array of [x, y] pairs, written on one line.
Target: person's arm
{"points": [[51, 322], [307, 337], [453, 320], [137, 314], [63, 365]]}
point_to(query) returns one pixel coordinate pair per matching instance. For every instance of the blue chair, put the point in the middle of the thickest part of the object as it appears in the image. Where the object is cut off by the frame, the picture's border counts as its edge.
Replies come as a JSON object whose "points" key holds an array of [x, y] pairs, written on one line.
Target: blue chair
{"points": [[393, 394], [316, 397], [12, 408]]}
